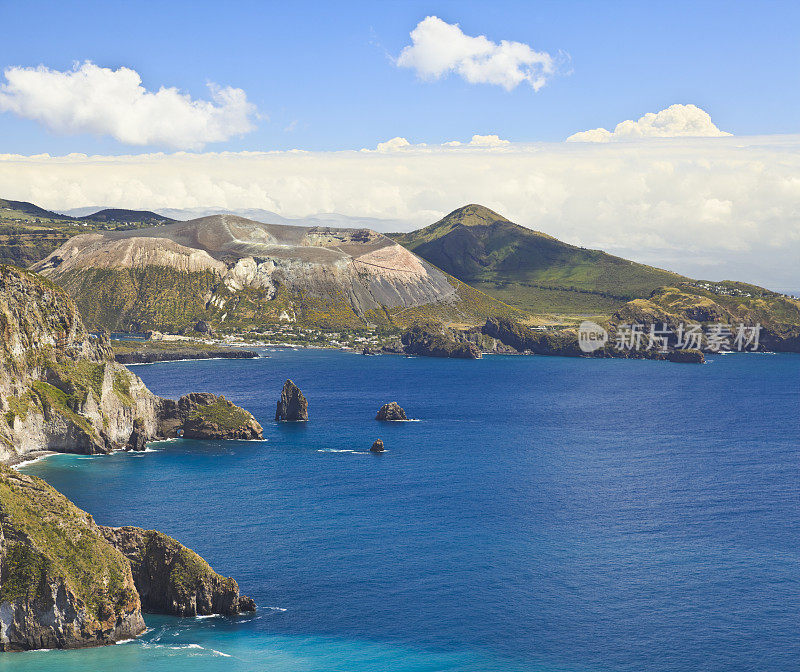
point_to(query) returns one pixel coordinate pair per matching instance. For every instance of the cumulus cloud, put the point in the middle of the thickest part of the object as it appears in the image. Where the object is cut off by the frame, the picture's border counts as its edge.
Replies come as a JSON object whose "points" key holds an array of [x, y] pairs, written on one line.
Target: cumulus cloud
{"points": [[102, 101], [392, 145], [398, 144], [674, 122], [488, 141], [439, 48], [721, 209]]}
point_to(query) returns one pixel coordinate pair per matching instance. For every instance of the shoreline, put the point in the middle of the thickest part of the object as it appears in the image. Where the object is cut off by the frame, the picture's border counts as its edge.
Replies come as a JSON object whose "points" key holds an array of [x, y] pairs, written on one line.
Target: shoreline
{"points": [[18, 461]]}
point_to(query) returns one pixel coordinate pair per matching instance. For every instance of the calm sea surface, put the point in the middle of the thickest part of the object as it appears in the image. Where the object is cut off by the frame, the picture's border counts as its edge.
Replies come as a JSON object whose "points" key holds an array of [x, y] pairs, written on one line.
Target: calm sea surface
{"points": [[544, 513]]}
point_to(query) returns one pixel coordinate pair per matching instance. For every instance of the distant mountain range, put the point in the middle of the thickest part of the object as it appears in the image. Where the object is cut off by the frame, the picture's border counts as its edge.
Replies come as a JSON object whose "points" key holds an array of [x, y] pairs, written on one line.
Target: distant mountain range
{"points": [[264, 216], [116, 215]]}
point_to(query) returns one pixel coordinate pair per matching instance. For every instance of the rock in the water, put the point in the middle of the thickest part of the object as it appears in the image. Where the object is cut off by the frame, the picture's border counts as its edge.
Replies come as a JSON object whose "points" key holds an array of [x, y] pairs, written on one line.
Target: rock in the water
{"points": [[292, 404], [138, 439], [63, 586], [391, 411], [377, 447], [172, 579], [687, 356], [220, 419], [428, 340], [202, 415]]}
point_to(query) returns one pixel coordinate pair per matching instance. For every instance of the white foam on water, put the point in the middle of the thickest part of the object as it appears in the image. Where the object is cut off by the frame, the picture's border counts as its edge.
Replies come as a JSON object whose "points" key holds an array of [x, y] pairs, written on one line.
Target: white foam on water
{"points": [[25, 463]]}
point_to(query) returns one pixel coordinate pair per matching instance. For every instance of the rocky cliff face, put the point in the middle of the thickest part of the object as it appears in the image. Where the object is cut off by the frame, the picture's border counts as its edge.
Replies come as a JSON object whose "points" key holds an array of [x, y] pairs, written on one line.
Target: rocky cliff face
{"points": [[61, 584], [61, 390], [172, 579]]}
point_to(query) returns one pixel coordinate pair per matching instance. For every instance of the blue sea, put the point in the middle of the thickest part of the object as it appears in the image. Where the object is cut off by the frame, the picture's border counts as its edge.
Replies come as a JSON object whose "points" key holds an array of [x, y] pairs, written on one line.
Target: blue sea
{"points": [[542, 514]]}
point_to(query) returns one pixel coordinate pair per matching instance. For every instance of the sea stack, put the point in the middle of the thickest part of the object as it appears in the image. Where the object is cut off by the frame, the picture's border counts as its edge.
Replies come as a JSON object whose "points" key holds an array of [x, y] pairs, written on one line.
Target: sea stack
{"points": [[391, 411], [377, 447], [292, 404]]}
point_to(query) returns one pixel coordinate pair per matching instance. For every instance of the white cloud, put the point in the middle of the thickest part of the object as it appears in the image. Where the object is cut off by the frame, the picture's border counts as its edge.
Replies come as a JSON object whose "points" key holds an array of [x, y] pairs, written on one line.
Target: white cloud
{"points": [[101, 101], [398, 144], [392, 145], [721, 209], [674, 122], [488, 141], [439, 48]]}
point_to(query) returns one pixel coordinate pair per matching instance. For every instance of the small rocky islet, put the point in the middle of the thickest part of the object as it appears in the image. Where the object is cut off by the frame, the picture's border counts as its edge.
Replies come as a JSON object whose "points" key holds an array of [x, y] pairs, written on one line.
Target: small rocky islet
{"points": [[391, 412]]}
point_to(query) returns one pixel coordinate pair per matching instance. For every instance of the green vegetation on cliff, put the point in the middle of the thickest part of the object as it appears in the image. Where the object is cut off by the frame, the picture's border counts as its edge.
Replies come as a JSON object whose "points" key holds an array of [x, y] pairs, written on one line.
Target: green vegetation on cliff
{"points": [[131, 299], [48, 540], [222, 413]]}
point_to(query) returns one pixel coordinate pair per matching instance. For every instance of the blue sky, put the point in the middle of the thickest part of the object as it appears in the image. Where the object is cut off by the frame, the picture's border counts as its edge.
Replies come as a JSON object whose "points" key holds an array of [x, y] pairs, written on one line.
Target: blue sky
{"points": [[325, 70]]}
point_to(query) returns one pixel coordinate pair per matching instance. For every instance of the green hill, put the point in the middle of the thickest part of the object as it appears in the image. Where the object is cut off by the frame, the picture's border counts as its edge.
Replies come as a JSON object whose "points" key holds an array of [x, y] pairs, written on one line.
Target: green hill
{"points": [[528, 269], [120, 216]]}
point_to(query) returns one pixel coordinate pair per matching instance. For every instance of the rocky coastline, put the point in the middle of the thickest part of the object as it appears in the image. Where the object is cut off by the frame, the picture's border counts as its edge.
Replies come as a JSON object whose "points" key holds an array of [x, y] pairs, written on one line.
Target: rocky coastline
{"points": [[146, 356], [66, 582]]}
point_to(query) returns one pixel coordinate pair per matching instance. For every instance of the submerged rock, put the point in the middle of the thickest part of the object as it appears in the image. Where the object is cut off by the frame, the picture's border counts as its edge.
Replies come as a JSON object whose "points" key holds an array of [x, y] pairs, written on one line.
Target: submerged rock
{"points": [[62, 585], [172, 579], [391, 411], [292, 405], [377, 447]]}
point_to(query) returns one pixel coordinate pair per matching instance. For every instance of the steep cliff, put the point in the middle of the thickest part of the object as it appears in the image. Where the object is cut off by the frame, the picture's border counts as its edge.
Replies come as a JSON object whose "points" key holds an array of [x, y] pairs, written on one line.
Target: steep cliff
{"points": [[61, 584], [172, 579], [60, 388]]}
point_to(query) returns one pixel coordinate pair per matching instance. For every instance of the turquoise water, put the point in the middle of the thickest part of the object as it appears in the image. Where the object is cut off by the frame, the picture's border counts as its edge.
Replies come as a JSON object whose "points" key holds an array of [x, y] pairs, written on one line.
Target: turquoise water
{"points": [[543, 514]]}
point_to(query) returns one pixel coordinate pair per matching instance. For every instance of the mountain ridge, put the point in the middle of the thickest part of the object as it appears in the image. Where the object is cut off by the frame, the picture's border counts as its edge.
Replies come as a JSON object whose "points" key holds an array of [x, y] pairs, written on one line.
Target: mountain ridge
{"points": [[528, 268]]}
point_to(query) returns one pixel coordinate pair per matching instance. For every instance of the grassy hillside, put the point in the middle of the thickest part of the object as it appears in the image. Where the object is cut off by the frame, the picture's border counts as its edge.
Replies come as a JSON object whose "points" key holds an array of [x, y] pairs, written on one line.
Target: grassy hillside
{"points": [[528, 269]]}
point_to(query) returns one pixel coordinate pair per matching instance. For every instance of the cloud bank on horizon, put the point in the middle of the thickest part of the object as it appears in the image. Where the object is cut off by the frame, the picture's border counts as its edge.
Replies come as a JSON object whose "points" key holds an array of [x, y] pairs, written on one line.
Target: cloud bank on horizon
{"points": [[101, 101], [708, 207], [677, 121], [439, 48]]}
